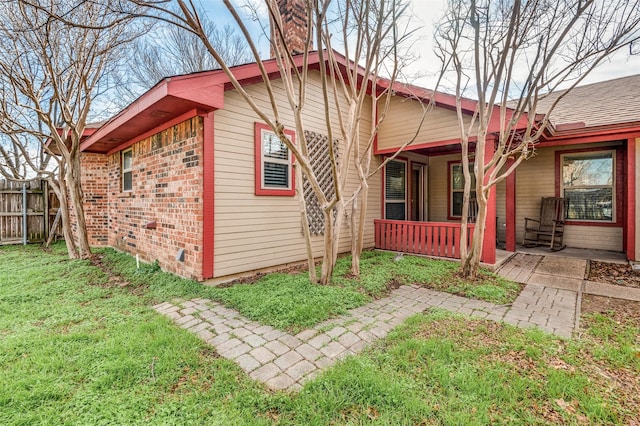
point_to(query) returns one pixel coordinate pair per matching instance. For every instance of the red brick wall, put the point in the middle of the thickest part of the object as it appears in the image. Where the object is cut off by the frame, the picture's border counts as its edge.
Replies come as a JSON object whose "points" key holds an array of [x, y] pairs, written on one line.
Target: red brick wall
{"points": [[294, 25], [94, 175], [167, 189]]}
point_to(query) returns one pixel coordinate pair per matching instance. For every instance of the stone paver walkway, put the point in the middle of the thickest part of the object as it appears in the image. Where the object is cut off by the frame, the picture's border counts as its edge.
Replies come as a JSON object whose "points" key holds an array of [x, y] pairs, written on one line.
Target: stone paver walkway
{"points": [[285, 361], [550, 309], [550, 299]]}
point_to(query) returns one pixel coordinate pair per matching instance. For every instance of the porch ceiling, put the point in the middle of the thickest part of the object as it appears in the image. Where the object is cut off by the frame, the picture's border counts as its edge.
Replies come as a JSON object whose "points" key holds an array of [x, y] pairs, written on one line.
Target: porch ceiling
{"points": [[442, 149]]}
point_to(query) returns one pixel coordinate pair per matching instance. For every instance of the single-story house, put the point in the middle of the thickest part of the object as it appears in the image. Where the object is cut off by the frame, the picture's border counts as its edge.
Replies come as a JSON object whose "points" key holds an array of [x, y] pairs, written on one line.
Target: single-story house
{"points": [[186, 175]]}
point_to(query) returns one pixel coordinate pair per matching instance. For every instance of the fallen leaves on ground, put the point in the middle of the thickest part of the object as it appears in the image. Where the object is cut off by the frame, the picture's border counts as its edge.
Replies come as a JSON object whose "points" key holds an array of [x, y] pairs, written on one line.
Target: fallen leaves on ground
{"points": [[614, 273]]}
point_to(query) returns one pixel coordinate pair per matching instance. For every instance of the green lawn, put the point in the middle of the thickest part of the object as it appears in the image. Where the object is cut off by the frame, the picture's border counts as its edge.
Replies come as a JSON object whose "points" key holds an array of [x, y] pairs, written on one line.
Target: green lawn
{"points": [[289, 301], [79, 346]]}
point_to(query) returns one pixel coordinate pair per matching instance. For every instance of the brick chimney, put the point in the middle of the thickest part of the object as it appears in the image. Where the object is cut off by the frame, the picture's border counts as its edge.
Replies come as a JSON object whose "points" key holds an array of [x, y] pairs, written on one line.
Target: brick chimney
{"points": [[294, 25]]}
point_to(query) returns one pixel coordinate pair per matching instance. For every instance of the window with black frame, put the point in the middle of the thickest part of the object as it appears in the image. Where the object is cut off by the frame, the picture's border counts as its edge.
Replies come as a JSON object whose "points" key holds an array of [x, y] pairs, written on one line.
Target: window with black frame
{"points": [[395, 190]]}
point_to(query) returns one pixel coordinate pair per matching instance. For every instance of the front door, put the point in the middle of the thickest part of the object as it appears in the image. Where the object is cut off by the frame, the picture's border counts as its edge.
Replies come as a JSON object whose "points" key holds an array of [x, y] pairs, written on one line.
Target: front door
{"points": [[417, 192]]}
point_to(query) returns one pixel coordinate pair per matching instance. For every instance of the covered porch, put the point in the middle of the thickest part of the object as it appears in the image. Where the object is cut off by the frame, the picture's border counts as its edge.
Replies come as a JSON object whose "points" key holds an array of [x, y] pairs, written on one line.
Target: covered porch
{"points": [[592, 167], [422, 194], [422, 202]]}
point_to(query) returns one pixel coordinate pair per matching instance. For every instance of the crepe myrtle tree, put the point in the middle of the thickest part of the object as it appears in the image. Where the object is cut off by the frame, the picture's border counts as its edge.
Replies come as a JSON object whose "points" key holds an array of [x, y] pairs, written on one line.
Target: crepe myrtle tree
{"points": [[510, 56], [50, 72], [375, 38], [167, 50]]}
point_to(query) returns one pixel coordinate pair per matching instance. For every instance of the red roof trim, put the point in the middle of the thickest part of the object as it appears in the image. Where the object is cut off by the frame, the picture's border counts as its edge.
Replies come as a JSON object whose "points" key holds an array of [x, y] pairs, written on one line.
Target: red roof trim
{"points": [[197, 93], [179, 119], [619, 130]]}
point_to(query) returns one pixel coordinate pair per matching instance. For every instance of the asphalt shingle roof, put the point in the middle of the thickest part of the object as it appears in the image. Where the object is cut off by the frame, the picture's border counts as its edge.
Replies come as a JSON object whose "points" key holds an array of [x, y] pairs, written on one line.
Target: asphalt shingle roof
{"points": [[604, 103]]}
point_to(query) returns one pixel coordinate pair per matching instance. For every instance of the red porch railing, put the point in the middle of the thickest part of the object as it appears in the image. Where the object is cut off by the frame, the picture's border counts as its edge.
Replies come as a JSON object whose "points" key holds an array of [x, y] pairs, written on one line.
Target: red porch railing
{"points": [[429, 238]]}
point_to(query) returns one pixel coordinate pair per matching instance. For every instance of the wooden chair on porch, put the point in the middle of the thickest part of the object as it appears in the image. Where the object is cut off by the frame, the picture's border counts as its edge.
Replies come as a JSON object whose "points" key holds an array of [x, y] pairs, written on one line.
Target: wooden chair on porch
{"points": [[548, 229]]}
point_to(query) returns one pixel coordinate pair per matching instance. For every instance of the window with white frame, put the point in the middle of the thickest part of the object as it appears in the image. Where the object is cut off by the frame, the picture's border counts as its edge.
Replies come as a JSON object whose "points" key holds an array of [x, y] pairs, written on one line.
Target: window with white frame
{"points": [[456, 179], [588, 185], [395, 190], [274, 164], [127, 170]]}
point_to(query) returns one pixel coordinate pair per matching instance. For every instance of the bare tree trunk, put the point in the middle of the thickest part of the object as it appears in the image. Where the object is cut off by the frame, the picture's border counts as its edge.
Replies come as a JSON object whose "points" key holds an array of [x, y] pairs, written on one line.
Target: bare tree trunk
{"points": [[471, 262], [355, 237], [304, 221], [60, 188], [359, 211], [327, 260], [74, 186], [337, 229]]}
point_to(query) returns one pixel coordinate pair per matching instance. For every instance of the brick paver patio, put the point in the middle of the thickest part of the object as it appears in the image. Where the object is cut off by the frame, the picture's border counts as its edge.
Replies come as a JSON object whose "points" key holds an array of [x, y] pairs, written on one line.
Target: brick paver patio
{"points": [[285, 361]]}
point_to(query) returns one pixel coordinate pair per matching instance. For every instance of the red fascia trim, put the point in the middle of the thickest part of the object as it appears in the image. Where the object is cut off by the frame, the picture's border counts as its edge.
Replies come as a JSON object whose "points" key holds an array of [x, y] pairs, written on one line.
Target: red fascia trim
{"points": [[208, 197], [619, 189], [631, 200], [448, 101], [619, 130], [259, 190], [441, 99], [252, 70], [204, 93], [425, 145], [184, 87], [590, 137], [164, 126], [143, 102], [565, 127]]}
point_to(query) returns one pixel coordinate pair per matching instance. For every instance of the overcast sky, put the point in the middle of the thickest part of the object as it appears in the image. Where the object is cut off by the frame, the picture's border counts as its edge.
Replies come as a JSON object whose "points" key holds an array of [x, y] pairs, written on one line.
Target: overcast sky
{"points": [[427, 12]]}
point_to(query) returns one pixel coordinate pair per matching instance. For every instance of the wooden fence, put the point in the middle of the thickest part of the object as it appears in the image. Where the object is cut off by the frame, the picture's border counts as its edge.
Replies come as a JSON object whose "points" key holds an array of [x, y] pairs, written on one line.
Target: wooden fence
{"points": [[27, 211]]}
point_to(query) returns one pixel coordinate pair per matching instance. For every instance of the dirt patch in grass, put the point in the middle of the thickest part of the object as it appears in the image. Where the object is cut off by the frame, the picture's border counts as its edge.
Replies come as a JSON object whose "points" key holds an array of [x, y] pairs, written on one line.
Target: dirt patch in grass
{"points": [[618, 309], [393, 284], [254, 278], [614, 273]]}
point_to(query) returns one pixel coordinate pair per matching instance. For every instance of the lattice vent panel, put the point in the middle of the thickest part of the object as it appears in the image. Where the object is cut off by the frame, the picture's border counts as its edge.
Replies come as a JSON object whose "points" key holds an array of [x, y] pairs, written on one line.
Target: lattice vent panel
{"points": [[318, 147]]}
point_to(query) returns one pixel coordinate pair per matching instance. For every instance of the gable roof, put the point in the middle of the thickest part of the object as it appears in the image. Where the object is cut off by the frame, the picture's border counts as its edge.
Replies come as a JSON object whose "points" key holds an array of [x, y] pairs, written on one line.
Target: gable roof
{"points": [[599, 104], [175, 99]]}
